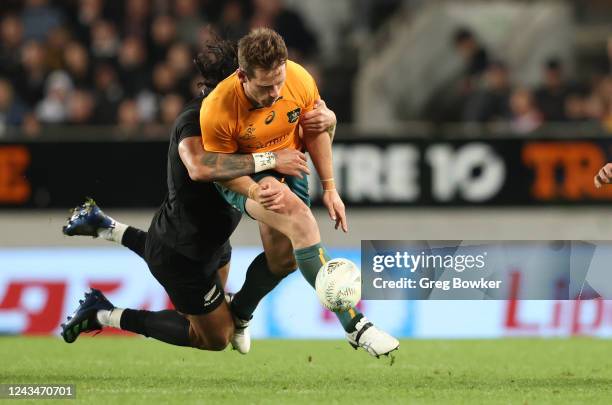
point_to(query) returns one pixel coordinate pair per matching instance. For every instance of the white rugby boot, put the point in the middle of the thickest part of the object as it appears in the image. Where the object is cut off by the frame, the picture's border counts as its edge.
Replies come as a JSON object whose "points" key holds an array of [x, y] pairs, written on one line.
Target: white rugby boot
{"points": [[241, 340], [371, 339]]}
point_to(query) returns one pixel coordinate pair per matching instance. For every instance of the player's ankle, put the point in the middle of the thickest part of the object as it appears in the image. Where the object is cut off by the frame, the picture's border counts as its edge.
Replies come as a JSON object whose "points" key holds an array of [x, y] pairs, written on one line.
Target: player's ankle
{"points": [[114, 233], [352, 326], [110, 318], [241, 318]]}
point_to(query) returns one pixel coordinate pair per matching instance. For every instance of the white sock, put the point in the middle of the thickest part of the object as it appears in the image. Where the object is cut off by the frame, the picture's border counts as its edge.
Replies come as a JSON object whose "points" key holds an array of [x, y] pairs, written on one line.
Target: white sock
{"points": [[114, 233], [110, 318]]}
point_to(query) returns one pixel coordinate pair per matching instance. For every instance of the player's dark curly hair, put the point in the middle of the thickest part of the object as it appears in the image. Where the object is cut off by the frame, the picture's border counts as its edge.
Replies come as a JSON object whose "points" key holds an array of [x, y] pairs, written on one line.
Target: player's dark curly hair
{"points": [[217, 60]]}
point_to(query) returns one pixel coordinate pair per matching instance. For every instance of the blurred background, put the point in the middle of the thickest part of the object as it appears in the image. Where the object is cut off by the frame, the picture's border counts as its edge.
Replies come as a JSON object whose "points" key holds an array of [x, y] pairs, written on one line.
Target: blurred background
{"points": [[457, 120]]}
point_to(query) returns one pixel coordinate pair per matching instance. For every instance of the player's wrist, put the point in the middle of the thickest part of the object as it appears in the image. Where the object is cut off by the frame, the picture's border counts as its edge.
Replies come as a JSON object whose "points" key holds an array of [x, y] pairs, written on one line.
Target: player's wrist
{"points": [[328, 184], [264, 161], [252, 191]]}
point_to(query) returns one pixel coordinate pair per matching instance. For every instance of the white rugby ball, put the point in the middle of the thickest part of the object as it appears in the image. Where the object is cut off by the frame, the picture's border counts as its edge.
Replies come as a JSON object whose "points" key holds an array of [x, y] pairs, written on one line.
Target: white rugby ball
{"points": [[338, 285]]}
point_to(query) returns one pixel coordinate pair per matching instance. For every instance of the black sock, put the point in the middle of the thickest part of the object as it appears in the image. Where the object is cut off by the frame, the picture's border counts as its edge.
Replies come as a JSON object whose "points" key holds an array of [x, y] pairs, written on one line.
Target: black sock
{"points": [[168, 326], [259, 281], [135, 240]]}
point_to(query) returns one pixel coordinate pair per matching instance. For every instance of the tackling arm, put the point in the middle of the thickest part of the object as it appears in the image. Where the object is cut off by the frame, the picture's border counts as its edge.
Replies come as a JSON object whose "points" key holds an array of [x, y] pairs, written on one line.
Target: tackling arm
{"points": [[211, 166]]}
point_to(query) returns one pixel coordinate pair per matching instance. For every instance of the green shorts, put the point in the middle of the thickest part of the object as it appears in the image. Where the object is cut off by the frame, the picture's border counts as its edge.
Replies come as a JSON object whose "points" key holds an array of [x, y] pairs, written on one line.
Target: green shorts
{"points": [[295, 184]]}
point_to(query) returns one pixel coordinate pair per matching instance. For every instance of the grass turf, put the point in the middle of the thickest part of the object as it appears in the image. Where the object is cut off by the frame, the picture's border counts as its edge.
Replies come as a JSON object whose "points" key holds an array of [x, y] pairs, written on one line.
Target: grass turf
{"points": [[134, 370]]}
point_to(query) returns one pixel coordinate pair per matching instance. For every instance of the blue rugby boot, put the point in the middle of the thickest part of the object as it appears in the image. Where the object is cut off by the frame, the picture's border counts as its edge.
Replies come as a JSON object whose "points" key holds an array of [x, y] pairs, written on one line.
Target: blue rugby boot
{"points": [[87, 219], [84, 319]]}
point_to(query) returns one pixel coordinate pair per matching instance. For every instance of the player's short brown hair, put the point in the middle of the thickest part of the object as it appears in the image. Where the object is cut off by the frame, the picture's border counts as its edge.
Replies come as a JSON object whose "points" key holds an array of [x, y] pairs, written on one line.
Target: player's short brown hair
{"points": [[262, 48]]}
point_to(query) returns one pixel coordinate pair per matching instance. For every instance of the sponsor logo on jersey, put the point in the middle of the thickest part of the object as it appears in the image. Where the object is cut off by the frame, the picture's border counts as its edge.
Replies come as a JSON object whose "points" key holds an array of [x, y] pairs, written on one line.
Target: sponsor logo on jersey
{"points": [[294, 115]]}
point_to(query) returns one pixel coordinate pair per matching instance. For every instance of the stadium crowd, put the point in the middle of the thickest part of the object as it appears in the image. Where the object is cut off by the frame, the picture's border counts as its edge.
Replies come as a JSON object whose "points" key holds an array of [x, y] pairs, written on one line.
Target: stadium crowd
{"points": [[486, 94], [128, 64], [124, 63]]}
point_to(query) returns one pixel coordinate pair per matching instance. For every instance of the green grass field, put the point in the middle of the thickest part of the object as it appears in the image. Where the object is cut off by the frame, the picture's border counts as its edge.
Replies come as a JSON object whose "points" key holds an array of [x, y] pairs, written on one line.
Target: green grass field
{"points": [[134, 370]]}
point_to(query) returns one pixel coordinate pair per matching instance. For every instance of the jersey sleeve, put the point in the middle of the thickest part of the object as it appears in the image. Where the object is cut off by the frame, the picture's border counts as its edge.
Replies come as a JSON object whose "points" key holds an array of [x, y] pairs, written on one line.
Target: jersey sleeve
{"points": [[188, 127], [312, 94], [217, 135], [310, 91]]}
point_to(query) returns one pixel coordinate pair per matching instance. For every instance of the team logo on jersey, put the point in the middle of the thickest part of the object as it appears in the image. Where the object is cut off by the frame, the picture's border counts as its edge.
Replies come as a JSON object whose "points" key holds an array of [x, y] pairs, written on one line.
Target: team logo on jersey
{"points": [[294, 115], [270, 117]]}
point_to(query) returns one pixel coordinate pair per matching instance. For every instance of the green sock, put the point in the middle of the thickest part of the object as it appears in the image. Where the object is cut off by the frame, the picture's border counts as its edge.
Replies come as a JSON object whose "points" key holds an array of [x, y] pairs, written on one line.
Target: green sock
{"points": [[309, 261]]}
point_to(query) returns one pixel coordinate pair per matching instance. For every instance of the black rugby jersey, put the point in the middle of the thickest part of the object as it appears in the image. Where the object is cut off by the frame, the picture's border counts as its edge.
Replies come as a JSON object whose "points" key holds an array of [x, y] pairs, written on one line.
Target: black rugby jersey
{"points": [[193, 219]]}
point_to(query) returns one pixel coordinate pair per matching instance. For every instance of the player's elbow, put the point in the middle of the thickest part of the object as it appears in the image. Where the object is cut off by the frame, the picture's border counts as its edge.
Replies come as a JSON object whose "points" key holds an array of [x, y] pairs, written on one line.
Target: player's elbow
{"points": [[201, 174]]}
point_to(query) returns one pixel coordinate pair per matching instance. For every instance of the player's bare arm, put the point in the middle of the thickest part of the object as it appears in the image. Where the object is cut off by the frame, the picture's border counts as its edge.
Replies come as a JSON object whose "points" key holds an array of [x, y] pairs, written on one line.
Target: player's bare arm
{"points": [[322, 119], [604, 176], [319, 119], [315, 124], [210, 166], [319, 147]]}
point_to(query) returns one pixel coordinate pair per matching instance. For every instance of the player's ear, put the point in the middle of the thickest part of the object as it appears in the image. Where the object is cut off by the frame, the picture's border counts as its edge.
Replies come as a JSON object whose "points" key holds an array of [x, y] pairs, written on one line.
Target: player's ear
{"points": [[242, 76]]}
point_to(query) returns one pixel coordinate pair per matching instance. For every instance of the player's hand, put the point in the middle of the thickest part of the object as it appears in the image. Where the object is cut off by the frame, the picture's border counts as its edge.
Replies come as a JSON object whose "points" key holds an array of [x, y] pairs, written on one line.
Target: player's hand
{"points": [[335, 208], [604, 176], [270, 194], [319, 119], [291, 162]]}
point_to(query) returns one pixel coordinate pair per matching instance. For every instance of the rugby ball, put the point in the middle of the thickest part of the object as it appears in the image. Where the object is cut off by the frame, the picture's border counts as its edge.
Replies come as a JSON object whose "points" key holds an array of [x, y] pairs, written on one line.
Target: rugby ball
{"points": [[338, 285]]}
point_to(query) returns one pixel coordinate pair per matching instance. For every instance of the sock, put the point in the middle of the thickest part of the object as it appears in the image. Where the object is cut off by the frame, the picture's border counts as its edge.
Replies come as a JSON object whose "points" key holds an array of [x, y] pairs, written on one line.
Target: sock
{"points": [[135, 240], [167, 326], [114, 233], [110, 317], [309, 261], [259, 282]]}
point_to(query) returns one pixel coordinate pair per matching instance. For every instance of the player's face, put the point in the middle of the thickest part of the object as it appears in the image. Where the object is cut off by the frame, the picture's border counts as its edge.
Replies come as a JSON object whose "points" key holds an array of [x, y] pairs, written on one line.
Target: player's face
{"points": [[265, 86]]}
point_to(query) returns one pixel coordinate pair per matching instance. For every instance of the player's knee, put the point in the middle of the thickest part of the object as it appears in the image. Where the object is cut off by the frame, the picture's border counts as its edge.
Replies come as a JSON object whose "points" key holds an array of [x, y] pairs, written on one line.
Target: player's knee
{"points": [[197, 341], [302, 219], [205, 339], [210, 341], [218, 341], [296, 208], [293, 204]]}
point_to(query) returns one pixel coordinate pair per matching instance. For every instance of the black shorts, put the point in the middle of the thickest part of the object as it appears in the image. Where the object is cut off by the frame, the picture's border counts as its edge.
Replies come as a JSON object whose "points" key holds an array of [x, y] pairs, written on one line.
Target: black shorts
{"points": [[193, 286]]}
